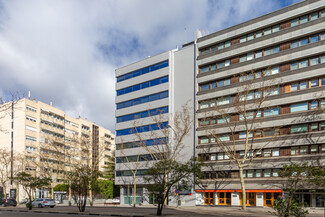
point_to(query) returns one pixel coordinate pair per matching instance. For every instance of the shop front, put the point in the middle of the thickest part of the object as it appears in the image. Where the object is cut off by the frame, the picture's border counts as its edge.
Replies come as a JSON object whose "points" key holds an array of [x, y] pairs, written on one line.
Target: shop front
{"points": [[234, 197]]}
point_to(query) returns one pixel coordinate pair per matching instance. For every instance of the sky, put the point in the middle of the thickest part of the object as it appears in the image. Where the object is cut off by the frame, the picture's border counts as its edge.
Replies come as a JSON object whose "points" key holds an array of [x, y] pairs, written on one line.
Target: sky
{"points": [[67, 51]]}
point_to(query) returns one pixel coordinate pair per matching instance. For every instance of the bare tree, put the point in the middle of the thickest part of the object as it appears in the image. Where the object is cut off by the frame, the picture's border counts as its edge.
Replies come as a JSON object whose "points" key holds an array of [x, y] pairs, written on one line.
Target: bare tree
{"points": [[241, 115]]}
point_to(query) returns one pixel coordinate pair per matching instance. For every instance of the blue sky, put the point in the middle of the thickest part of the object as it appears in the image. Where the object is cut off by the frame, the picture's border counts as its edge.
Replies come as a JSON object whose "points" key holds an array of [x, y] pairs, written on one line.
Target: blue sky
{"points": [[67, 51]]}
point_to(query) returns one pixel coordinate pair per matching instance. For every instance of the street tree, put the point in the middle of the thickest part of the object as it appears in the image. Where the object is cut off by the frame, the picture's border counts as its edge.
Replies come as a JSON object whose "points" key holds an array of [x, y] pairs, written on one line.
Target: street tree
{"points": [[242, 115], [30, 182]]}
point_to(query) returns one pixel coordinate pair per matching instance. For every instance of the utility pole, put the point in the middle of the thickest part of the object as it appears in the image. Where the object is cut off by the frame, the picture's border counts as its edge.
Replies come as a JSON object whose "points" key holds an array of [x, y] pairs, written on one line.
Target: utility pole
{"points": [[12, 141]]}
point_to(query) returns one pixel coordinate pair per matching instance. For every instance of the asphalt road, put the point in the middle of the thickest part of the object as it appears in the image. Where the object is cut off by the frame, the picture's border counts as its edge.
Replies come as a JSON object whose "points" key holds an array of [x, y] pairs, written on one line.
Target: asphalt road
{"points": [[32, 214]]}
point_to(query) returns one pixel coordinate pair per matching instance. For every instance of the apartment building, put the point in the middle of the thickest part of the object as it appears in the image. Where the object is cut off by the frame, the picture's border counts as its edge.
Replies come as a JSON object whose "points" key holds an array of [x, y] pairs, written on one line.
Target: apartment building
{"points": [[156, 86], [287, 46], [46, 137]]}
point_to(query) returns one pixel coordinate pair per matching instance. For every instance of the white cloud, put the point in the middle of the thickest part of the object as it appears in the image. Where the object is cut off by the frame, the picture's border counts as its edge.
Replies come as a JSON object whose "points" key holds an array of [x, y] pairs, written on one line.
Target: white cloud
{"points": [[67, 51]]}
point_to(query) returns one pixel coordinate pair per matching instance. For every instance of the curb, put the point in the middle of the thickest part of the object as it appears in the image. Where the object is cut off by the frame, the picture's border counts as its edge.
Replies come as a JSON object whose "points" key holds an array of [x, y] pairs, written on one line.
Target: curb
{"points": [[73, 213]]}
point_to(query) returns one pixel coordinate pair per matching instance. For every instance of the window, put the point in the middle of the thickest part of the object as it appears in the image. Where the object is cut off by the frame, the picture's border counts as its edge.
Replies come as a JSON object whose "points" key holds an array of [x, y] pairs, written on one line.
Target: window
{"points": [[322, 36], [213, 157], [304, 42], [213, 67], [250, 56], [267, 173], [258, 54], [322, 103], [299, 107], [258, 34], [142, 71], [220, 46], [304, 150], [250, 173], [267, 31], [227, 63], [205, 87], [29, 148], [275, 50], [204, 140], [242, 135], [275, 28], [267, 51], [31, 138], [267, 152], [225, 137], [275, 152], [303, 63], [304, 85], [222, 120], [30, 118], [314, 16], [314, 83], [258, 74], [295, 22], [314, 61], [294, 150], [242, 39], [220, 156], [322, 125], [294, 44], [242, 59], [302, 128], [294, 66], [314, 39], [221, 65], [314, 127], [227, 44], [223, 101], [314, 105], [304, 19], [250, 37], [270, 112], [294, 86], [31, 128], [30, 108], [205, 69], [258, 173], [271, 132], [314, 149], [275, 172]]}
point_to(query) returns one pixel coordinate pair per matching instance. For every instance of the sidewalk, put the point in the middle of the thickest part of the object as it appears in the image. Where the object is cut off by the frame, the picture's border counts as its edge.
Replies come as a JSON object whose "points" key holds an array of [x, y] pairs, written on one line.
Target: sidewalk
{"points": [[128, 211]]}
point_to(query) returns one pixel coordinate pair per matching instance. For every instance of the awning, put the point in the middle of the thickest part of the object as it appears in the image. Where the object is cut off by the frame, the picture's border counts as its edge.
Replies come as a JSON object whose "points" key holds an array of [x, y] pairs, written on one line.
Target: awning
{"points": [[239, 190]]}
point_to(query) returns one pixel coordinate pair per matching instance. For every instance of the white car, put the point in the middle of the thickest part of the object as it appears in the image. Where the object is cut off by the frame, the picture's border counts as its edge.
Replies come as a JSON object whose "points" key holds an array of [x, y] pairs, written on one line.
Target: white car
{"points": [[116, 200], [41, 203]]}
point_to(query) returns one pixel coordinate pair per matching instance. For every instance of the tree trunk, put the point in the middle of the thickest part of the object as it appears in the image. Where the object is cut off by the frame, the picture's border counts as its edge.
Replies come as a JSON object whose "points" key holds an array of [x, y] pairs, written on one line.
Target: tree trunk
{"points": [[52, 192], [242, 183], [134, 191], [159, 209], [69, 194], [91, 197], [17, 186]]}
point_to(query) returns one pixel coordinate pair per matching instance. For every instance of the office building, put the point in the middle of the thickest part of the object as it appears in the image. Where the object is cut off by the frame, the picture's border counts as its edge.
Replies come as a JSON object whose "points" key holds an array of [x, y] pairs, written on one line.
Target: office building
{"points": [[287, 46], [157, 86]]}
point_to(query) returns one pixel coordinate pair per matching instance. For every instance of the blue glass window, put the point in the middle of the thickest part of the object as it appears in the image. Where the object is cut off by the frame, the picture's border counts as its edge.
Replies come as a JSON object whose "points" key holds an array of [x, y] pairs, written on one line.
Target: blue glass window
{"points": [[142, 71], [304, 42], [142, 86], [314, 39], [323, 81], [205, 87], [142, 100], [136, 144], [141, 129], [143, 114]]}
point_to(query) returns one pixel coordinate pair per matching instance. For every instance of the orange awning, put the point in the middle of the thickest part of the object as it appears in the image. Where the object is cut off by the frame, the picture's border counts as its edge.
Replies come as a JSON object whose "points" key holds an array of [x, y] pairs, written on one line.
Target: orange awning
{"points": [[239, 190]]}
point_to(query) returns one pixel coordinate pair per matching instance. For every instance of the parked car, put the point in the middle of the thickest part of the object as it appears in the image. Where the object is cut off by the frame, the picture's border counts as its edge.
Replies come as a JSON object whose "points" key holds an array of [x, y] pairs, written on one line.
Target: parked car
{"points": [[8, 202], [116, 200], [41, 203]]}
